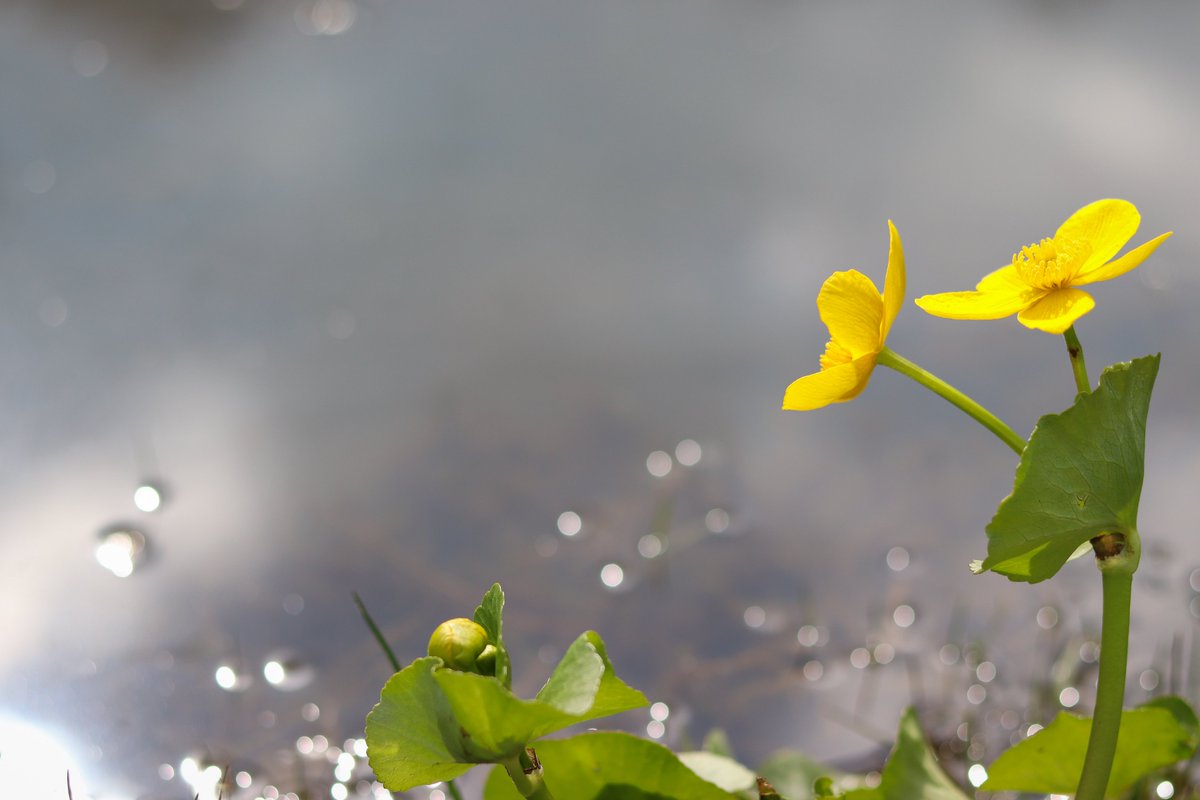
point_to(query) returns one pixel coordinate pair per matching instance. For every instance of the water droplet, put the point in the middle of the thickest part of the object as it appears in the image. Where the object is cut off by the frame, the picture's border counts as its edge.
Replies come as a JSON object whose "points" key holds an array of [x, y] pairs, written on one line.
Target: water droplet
{"points": [[717, 520], [325, 17], [1089, 652], [754, 616], [650, 546], [1148, 680], [977, 775], [688, 452], [985, 672], [243, 779], [976, 694], [904, 616], [1194, 580], [658, 463], [1165, 790], [949, 654], [232, 676], [808, 635], [569, 523], [897, 559], [1009, 720], [293, 604], [122, 550], [612, 575], [148, 497], [813, 670], [311, 712], [884, 653], [655, 729], [1047, 617], [660, 711], [860, 657], [1069, 697], [287, 671]]}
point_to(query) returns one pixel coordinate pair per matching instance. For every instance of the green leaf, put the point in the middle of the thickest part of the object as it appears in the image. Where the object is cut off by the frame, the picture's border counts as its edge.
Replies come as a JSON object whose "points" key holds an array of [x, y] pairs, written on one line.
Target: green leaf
{"points": [[912, 771], [1154, 735], [792, 773], [577, 670], [489, 614], [610, 766], [410, 734], [720, 770], [1080, 476], [429, 719]]}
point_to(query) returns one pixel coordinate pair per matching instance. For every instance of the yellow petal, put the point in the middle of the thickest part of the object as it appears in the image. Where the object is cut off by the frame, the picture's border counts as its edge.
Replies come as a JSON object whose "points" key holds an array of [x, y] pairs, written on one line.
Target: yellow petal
{"points": [[1104, 272], [833, 385], [1106, 225], [1000, 295], [893, 282], [1057, 311], [1005, 278], [852, 308]]}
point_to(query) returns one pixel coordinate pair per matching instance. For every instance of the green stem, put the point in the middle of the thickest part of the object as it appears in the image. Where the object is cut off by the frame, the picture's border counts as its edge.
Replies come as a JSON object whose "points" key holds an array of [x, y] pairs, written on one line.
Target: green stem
{"points": [[1110, 685], [454, 792], [526, 775], [933, 383], [378, 634], [1078, 366]]}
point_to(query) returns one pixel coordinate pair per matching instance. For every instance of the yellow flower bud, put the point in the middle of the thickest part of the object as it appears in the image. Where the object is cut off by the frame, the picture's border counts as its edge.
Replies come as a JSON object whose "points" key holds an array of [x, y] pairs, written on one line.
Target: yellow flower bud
{"points": [[459, 643]]}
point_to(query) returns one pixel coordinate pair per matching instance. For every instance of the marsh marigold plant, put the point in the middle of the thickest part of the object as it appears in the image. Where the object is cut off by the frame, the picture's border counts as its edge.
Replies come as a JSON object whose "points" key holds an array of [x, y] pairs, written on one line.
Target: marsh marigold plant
{"points": [[858, 317], [1041, 284]]}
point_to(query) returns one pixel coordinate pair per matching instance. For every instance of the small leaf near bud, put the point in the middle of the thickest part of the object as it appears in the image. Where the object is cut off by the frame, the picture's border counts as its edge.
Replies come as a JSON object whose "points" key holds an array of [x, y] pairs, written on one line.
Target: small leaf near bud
{"points": [[459, 643], [486, 662]]}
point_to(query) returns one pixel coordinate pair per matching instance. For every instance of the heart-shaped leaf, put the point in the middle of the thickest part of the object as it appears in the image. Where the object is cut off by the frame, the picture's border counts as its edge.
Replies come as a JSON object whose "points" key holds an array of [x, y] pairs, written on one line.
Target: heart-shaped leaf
{"points": [[1079, 476], [1155, 735]]}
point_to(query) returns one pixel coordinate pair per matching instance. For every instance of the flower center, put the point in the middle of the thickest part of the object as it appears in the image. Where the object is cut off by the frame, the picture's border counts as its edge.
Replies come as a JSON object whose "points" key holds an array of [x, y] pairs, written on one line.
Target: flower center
{"points": [[834, 355], [1050, 263]]}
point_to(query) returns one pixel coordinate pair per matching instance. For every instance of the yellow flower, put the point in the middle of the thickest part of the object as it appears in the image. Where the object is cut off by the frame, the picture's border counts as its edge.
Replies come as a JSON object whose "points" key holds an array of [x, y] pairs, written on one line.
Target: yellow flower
{"points": [[1039, 285], [858, 318]]}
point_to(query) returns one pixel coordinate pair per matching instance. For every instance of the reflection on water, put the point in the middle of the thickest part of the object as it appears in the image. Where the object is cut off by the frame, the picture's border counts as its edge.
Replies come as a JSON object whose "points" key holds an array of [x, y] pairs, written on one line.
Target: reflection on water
{"points": [[121, 550], [32, 761]]}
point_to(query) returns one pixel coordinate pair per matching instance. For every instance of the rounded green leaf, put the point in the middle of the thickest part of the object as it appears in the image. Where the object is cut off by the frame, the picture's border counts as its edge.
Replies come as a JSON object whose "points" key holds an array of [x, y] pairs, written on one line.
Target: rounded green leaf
{"points": [[912, 771], [1079, 476], [1155, 735], [610, 766], [411, 733]]}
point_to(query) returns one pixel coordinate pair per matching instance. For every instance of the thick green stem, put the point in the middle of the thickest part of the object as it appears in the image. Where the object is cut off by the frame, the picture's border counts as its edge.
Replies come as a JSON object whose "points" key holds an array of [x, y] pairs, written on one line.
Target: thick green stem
{"points": [[526, 775], [1110, 686], [933, 383], [1078, 366]]}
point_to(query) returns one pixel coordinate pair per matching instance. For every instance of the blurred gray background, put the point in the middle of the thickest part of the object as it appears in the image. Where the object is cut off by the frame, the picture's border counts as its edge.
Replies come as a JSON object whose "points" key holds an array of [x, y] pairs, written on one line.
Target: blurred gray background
{"points": [[373, 291]]}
